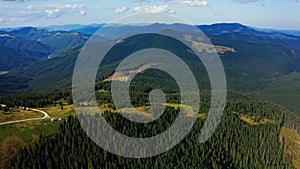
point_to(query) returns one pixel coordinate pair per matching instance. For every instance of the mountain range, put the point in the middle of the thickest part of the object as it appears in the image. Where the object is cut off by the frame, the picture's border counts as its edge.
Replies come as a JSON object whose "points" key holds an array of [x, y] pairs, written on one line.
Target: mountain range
{"points": [[253, 60]]}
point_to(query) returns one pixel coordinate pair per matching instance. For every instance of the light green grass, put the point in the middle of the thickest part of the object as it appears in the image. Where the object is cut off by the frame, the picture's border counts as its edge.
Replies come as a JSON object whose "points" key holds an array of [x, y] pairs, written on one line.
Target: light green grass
{"points": [[18, 114]]}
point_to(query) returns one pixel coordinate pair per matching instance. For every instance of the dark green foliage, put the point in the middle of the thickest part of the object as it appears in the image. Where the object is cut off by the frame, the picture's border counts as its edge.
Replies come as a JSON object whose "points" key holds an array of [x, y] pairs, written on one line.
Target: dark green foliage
{"points": [[18, 43], [248, 69], [284, 90], [18, 52], [61, 105], [5, 108], [34, 100], [17, 58]]}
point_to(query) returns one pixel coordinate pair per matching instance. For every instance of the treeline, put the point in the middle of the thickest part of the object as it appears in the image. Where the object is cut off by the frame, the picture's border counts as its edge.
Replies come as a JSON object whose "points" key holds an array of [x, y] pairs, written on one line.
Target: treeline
{"points": [[36, 100], [235, 143]]}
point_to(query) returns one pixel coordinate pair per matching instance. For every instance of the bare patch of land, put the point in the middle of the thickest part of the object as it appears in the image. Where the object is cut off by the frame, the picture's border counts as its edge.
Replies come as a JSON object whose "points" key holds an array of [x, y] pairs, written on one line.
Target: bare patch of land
{"points": [[129, 73], [291, 141]]}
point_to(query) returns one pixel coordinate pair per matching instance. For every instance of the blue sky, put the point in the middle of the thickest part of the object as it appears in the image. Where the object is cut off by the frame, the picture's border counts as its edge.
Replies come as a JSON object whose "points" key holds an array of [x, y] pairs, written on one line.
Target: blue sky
{"points": [[278, 14]]}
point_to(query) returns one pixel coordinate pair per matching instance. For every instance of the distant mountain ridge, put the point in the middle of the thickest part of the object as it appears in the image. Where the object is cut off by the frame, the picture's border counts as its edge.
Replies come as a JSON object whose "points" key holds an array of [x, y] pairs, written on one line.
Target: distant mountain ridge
{"points": [[70, 27], [231, 30], [254, 61], [288, 32], [23, 46], [15, 42], [57, 40], [241, 32]]}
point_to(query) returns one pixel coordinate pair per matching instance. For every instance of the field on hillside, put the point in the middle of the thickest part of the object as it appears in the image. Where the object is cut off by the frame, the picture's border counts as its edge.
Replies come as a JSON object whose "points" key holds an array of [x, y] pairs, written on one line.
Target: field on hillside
{"points": [[18, 114]]}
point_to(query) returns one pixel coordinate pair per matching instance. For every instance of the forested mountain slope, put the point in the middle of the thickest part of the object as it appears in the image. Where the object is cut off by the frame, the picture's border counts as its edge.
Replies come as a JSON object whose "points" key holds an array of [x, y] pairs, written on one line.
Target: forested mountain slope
{"points": [[58, 40]]}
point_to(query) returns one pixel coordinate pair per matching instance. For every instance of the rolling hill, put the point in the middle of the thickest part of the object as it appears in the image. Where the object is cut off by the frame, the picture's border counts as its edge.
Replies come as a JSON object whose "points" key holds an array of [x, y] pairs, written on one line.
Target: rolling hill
{"points": [[18, 52], [284, 90]]}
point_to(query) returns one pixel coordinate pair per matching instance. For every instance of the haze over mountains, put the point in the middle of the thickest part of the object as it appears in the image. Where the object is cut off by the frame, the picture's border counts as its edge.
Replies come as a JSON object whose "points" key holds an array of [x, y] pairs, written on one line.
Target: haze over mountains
{"points": [[252, 59]]}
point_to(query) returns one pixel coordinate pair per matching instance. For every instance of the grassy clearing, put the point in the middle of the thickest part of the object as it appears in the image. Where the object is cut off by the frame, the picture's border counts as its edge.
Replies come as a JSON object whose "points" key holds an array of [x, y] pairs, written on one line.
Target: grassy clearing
{"points": [[18, 114], [291, 141], [28, 131], [139, 111], [102, 91], [188, 110], [253, 120], [57, 112]]}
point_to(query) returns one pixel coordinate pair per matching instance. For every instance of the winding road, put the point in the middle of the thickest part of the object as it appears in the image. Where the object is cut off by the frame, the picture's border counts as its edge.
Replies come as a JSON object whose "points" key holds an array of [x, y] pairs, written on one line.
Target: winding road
{"points": [[46, 115]]}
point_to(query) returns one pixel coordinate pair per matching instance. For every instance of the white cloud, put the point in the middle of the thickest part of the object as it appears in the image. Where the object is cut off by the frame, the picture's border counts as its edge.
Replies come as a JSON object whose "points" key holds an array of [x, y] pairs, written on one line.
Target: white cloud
{"points": [[245, 1], [191, 2], [180, 2], [82, 12], [121, 10], [53, 13], [72, 6], [59, 10], [1, 19], [171, 11], [153, 9], [13, 13], [29, 7]]}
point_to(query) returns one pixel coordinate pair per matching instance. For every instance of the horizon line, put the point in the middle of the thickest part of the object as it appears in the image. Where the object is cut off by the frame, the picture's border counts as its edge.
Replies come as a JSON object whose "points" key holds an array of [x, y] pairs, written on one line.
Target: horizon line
{"points": [[143, 24]]}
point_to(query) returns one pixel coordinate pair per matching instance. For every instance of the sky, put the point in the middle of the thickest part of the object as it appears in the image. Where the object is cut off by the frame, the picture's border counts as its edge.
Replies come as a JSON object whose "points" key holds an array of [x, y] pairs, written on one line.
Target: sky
{"points": [[275, 14]]}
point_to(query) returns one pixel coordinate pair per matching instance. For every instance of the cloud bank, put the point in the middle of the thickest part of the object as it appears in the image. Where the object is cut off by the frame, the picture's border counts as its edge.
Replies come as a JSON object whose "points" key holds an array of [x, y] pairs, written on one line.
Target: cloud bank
{"points": [[121, 10]]}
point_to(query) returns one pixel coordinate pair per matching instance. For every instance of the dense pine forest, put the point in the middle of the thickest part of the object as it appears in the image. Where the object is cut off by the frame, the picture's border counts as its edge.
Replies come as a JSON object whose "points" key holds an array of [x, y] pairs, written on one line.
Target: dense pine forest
{"points": [[248, 135], [35, 100], [235, 144]]}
